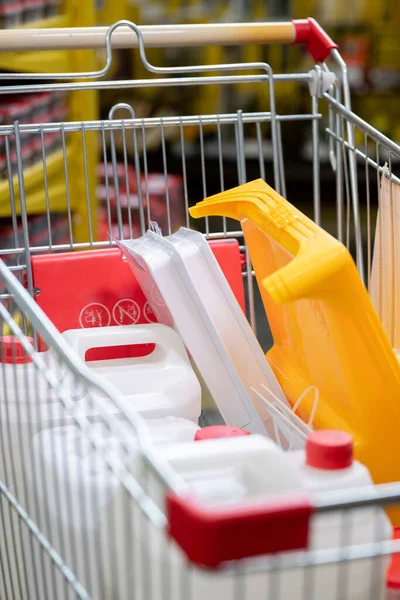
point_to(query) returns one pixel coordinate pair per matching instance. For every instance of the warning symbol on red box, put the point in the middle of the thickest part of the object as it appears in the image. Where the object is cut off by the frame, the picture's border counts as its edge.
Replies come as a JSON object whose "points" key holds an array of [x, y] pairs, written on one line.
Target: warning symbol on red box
{"points": [[94, 315], [149, 314], [126, 312]]}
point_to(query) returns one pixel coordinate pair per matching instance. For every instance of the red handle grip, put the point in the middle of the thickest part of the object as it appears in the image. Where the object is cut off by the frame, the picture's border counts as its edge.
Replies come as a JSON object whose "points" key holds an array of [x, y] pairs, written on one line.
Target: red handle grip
{"points": [[311, 34], [210, 536]]}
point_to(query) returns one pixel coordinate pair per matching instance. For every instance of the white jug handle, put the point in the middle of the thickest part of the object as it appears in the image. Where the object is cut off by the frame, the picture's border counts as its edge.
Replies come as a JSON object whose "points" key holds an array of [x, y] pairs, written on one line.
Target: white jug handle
{"points": [[82, 340]]}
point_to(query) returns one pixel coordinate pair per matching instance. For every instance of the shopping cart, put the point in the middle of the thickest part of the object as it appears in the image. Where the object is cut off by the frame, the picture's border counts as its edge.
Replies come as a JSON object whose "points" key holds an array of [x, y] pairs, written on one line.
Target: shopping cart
{"points": [[244, 551]]}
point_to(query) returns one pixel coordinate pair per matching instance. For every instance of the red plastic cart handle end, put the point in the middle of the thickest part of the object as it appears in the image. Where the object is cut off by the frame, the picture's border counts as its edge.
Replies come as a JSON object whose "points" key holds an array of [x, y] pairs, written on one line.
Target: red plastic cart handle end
{"points": [[310, 33], [210, 536]]}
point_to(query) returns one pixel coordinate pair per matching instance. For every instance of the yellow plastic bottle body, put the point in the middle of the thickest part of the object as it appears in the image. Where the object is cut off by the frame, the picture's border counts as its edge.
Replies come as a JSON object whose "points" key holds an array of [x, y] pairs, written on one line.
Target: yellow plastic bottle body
{"points": [[325, 330]]}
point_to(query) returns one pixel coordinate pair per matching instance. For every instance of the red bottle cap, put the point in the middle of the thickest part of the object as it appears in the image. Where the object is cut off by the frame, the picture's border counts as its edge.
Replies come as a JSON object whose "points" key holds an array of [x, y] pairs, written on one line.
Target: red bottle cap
{"points": [[12, 351], [393, 572], [219, 431], [326, 449]]}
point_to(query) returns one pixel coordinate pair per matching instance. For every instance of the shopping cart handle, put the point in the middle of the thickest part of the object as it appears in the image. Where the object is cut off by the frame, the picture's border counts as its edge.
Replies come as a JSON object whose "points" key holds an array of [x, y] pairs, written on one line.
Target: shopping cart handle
{"points": [[210, 536], [311, 34], [302, 31]]}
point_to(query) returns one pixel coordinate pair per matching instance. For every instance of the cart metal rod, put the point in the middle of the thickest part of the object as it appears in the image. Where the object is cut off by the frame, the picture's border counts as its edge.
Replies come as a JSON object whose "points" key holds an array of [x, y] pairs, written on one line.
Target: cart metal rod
{"points": [[385, 494], [373, 133], [154, 36], [362, 155], [79, 592], [150, 122], [139, 83], [104, 244]]}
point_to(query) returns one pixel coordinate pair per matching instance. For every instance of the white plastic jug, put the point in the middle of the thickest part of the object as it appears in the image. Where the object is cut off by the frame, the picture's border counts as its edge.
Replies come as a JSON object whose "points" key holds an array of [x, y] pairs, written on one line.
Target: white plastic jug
{"points": [[74, 484], [226, 471], [222, 471], [28, 405], [158, 385], [327, 464]]}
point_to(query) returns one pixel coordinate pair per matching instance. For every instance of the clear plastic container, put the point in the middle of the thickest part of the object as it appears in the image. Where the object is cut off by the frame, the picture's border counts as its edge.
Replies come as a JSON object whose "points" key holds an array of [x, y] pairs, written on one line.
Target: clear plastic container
{"points": [[229, 321], [165, 282]]}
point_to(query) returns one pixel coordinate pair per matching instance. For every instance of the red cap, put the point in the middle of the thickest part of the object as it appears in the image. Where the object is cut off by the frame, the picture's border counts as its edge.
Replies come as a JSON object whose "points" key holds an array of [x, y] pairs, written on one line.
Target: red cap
{"points": [[12, 351], [393, 572], [219, 431], [330, 450]]}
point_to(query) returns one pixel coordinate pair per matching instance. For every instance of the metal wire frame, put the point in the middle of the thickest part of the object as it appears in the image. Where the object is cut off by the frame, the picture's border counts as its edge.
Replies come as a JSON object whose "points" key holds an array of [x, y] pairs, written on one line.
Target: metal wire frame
{"points": [[376, 156], [50, 371], [119, 543], [226, 74], [55, 381], [18, 530], [223, 126]]}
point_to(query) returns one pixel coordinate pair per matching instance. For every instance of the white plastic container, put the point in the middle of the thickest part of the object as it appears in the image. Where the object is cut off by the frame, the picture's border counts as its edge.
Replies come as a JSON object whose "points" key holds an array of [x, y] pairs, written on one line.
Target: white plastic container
{"points": [[169, 290], [221, 471], [28, 405], [158, 385], [226, 471], [393, 573], [74, 484], [327, 465], [231, 325]]}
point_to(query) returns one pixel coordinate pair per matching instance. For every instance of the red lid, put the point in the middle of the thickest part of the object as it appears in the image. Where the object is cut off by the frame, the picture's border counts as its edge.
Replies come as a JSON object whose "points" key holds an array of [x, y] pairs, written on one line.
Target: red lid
{"points": [[393, 572], [12, 351], [328, 449], [219, 431]]}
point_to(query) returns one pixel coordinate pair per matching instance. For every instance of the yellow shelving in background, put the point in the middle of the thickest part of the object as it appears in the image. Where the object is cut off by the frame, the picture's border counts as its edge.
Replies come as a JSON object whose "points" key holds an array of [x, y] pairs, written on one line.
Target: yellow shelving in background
{"points": [[39, 62], [34, 187], [82, 106]]}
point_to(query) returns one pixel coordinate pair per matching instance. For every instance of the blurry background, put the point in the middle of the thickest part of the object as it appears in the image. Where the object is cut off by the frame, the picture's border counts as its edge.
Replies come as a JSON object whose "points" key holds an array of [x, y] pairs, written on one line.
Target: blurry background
{"points": [[368, 38]]}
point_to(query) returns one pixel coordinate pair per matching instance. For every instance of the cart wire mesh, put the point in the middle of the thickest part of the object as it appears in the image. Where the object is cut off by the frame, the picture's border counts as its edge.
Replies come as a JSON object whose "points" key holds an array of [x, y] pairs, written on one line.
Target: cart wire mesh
{"points": [[83, 433]]}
